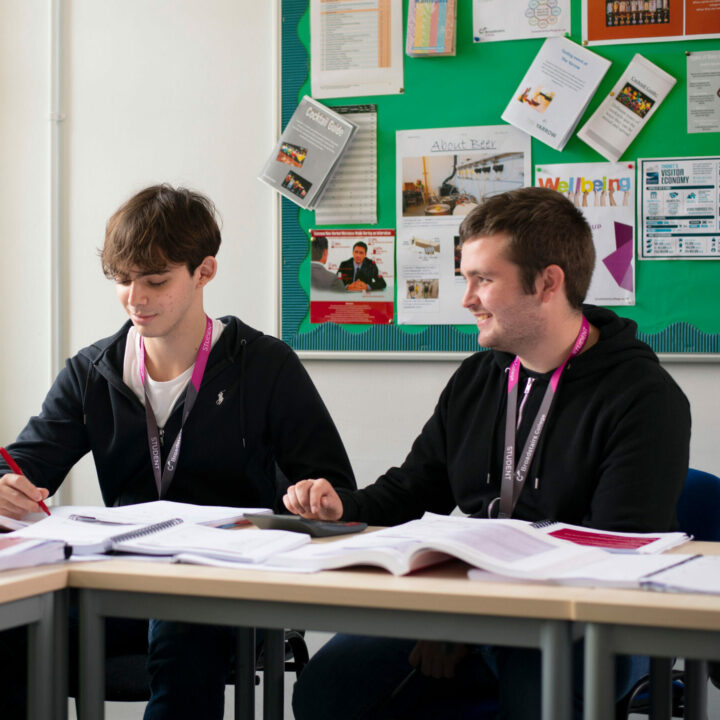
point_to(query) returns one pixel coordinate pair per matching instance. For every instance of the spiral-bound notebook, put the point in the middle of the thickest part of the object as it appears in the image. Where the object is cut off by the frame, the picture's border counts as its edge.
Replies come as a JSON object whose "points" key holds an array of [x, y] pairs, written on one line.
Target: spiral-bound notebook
{"points": [[87, 536]]}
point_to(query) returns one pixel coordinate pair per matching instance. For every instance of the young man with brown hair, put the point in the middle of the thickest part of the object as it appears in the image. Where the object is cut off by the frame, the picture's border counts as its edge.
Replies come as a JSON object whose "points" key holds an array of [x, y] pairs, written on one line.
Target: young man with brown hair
{"points": [[178, 406], [567, 417]]}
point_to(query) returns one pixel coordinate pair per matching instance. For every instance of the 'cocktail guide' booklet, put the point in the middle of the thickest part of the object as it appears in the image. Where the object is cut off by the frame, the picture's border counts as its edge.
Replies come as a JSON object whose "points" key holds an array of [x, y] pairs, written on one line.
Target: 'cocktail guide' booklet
{"points": [[308, 152], [555, 91]]}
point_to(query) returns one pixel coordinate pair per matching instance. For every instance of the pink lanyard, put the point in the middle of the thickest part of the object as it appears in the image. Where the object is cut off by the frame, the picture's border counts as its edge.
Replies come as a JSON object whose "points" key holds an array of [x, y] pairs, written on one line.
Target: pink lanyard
{"points": [[164, 478], [513, 479]]}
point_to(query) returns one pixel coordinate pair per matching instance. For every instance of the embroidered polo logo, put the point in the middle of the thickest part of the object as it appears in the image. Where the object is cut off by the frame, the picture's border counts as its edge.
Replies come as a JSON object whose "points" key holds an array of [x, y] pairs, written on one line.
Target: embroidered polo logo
{"points": [[220, 398]]}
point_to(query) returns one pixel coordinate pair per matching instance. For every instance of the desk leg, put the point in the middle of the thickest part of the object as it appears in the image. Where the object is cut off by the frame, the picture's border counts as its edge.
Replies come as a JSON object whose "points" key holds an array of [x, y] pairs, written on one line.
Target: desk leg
{"points": [[92, 658], [61, 604], [556, 646], [696, 680], [273, 680], [42, 696], [660, 688], [599, 683], [245, 674]]}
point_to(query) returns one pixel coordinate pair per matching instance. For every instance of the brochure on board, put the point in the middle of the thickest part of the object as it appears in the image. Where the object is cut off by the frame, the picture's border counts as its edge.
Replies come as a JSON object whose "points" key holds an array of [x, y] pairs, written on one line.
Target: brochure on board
{"points": [[626, 110], [555, 91], [308, 152]]}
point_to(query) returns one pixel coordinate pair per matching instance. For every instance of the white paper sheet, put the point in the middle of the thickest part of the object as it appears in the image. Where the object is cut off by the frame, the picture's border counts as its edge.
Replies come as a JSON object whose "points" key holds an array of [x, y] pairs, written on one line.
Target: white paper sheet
{"points": [[356, 48], [442, 174], [518, 19]]}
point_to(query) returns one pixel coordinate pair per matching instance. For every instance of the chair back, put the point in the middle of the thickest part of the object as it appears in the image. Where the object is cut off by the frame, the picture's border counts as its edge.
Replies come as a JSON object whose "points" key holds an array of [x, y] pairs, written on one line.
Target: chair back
{"points": [[698, 508]]}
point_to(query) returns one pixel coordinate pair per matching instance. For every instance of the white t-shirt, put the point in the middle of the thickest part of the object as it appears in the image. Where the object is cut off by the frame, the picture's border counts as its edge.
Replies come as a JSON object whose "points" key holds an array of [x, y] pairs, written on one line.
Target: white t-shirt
{"points": [[163, 395]]}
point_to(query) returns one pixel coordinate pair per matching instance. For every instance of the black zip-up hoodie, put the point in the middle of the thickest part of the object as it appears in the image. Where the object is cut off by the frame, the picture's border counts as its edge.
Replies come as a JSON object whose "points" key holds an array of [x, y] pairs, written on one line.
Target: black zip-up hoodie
{"points": [[257, 409], [613, 454]]}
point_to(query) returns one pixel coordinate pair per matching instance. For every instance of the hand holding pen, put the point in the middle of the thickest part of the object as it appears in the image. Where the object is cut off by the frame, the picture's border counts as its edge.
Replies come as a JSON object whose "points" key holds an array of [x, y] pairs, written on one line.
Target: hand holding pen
{"points": [[18, 496]]}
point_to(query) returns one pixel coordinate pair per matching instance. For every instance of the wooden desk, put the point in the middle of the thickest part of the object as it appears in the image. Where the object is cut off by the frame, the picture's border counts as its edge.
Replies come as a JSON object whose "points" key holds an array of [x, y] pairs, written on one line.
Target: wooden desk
{"points": [[662, 625], [436, 604], [36, 597]]}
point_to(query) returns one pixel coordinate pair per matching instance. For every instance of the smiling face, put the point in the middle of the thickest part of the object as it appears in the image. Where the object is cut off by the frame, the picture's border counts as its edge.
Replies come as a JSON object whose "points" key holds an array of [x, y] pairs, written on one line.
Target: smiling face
{"points": [[162, 304], [507, 317]]}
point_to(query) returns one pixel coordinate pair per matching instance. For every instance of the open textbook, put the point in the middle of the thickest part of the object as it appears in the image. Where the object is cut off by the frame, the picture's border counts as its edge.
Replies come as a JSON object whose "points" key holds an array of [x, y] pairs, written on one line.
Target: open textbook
{"points": [[555, 91], [308, 152], [510, 547], [625, 111]]}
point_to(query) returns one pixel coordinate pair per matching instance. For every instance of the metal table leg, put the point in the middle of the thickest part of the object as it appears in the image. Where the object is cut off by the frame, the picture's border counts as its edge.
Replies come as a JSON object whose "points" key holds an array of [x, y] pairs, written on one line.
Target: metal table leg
{"points": [[92, 658], [245, 674], [273, 680], [599, 682], [556, 646]]}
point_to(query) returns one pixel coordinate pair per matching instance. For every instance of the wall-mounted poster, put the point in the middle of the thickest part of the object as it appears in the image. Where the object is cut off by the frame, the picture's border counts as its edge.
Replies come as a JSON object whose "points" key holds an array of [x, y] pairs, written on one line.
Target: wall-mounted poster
{"points": [[351, 276], [679, 208], [605, 192], [633, 21], [518, 19], [442, 175]]}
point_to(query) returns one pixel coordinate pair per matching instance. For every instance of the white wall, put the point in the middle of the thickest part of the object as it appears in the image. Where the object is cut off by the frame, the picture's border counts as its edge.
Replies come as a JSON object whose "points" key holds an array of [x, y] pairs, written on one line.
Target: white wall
{"points": [[183, 92]]}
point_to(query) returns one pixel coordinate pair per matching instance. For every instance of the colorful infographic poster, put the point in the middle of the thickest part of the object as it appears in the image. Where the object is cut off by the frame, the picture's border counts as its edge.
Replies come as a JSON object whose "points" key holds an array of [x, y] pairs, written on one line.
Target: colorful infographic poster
{"points": [[605, 192], [680, 208], [518, 19]]}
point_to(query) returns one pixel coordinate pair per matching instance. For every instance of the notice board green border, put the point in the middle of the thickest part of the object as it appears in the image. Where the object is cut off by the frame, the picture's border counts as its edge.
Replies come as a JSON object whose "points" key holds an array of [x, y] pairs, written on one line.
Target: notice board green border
{"points": [[677, 302]]}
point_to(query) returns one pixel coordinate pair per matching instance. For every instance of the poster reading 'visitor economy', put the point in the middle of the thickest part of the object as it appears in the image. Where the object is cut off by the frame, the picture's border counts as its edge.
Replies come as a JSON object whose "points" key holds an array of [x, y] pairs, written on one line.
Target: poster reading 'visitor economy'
{"points": [[605, 192], [679, 208]]}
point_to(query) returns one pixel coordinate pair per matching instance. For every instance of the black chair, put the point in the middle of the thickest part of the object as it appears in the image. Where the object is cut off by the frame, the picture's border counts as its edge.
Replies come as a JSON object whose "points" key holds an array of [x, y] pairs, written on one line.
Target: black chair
{"points": [[127, 678], [698, 511]]}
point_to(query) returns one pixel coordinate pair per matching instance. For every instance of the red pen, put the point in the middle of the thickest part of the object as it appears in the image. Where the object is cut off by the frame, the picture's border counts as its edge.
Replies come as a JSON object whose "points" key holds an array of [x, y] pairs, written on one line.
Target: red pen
{"points": [[16, 469]]}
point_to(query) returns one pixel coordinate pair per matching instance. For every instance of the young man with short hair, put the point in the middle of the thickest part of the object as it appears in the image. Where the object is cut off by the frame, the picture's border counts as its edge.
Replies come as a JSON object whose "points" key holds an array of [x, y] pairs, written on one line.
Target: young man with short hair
{"points": [[178, 406], [596, 433]]}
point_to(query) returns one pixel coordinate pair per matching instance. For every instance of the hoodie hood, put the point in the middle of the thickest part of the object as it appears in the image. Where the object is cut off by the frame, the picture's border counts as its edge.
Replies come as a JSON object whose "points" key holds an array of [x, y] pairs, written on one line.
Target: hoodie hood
{"points": [[617, 344]]}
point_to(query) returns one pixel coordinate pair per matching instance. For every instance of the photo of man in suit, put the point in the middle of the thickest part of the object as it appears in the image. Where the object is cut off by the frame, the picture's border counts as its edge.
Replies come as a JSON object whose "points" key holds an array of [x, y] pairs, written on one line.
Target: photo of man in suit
{"points": [[320, 277], [359, 273]]}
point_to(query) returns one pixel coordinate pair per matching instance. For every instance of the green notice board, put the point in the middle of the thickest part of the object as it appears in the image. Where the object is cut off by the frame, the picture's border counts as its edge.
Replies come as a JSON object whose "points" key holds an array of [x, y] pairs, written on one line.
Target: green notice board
{"points": [[677, 301]]}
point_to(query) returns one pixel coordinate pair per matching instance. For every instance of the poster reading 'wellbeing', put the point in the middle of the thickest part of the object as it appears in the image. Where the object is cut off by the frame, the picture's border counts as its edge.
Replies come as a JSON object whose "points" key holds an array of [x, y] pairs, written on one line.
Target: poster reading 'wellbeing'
{"points": [[605, 192], [442, 175]]}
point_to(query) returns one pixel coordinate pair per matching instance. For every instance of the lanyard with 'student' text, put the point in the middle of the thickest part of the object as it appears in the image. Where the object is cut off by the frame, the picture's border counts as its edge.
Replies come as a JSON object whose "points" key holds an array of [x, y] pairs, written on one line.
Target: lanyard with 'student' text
{"points": [[513, 478], [164, 478]]}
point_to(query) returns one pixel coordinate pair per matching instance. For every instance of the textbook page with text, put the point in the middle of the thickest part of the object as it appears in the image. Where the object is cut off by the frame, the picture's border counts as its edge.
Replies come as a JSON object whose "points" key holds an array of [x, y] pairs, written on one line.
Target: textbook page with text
{"points": [[510, 547]]}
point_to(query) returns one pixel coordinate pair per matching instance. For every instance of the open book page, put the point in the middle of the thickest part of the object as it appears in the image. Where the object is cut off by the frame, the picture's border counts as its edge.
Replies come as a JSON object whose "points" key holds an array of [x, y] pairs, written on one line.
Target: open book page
{"points": [[615, 542], [555, 91], [252, 546], [699, 574], [507, 546], [157, 511], [622, 571], [634, 99]]}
